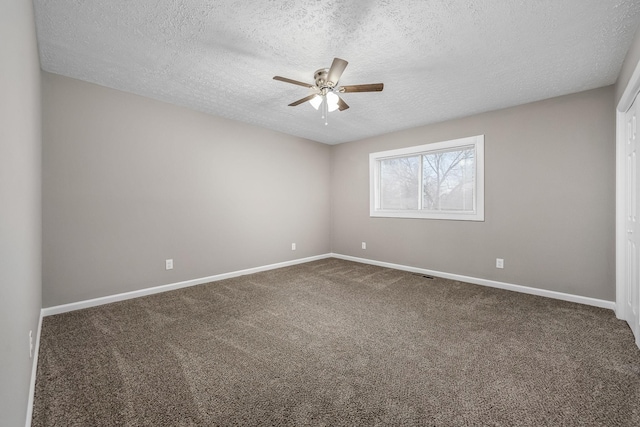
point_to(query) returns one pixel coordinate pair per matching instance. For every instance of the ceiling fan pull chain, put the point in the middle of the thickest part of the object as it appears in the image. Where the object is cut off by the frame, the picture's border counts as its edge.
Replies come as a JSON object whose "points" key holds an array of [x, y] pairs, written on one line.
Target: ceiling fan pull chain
{"points": [[325, 110]]}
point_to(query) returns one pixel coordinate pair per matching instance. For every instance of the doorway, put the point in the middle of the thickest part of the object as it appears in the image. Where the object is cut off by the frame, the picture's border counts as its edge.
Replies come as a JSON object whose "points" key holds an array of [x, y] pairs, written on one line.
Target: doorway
{"points": [[628, 206]]}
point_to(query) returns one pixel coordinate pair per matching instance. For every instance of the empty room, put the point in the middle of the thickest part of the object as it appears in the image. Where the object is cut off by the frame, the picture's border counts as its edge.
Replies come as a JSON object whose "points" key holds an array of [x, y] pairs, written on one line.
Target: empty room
{"points": [[334, 213]]}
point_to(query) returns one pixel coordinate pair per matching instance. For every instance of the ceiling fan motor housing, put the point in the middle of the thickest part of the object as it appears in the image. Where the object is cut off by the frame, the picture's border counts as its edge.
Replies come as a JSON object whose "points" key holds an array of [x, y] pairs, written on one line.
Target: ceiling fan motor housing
{"points": [[320, 77]]}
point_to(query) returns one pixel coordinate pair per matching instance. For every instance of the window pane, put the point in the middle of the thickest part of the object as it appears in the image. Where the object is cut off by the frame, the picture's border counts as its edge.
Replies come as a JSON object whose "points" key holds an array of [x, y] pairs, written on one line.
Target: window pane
{"points": [[448, 179], [399, 183]]}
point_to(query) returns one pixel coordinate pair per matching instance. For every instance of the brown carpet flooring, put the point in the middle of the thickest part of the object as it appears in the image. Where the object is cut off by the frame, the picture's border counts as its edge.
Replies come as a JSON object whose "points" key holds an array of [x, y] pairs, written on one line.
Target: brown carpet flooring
{"points": [[334, 343]]}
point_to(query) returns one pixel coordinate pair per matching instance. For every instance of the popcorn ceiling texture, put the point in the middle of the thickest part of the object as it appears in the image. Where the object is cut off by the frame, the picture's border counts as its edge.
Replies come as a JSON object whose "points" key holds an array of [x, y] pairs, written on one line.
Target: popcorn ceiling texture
{"points": [[438, 60]]}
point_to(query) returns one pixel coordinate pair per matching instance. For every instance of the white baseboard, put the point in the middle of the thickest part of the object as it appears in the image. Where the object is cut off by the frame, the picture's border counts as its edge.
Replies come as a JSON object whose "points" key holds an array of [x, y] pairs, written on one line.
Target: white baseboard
{"points": [[34, 371], [484, 282], [58, 309], [477, 281]]}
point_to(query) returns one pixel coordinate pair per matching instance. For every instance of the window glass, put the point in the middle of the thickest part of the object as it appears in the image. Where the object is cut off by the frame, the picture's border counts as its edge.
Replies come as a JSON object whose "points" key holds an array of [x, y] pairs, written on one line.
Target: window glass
{"points": [[399, 179], [448, 180]]}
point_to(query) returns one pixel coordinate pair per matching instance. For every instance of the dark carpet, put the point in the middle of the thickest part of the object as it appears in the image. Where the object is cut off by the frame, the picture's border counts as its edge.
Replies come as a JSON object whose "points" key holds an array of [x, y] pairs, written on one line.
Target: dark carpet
{"points": [[335, 343]]}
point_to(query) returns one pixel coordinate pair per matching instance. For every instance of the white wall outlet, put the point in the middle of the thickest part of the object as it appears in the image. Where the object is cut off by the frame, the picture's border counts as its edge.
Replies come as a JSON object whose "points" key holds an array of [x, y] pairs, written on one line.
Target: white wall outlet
{"points": [[499, 263], [364, 245], [30, 344], [293, 246], [168, 264]]}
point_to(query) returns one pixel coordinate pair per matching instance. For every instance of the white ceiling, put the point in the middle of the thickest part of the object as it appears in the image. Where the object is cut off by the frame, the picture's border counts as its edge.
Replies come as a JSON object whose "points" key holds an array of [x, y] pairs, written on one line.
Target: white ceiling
{"points": [[437, 59]]}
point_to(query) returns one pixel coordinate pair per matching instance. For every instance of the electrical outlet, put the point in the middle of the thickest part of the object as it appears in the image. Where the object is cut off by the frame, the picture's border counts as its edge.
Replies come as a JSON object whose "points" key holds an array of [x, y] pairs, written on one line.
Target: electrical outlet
{"points": [[168, 264], [30, 344], [499, 263], [293, 246], [364, 245]]}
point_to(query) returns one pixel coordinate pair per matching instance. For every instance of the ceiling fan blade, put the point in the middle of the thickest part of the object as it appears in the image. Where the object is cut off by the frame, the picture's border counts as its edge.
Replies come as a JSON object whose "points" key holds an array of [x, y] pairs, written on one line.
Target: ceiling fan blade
{"points": [[303, 100], [295, 82], [336, 70], [373, 87], [342, 105]]}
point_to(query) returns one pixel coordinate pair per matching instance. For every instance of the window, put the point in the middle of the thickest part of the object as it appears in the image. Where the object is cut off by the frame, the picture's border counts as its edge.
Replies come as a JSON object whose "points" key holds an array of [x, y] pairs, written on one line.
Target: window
{"points": [[443, 180]]}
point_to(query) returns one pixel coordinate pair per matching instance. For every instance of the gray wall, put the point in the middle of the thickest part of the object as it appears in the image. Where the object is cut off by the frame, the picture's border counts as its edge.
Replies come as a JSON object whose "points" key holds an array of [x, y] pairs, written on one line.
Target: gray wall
{"points": [[549, 194], [129, 182], [628, 66], [20, 213]]}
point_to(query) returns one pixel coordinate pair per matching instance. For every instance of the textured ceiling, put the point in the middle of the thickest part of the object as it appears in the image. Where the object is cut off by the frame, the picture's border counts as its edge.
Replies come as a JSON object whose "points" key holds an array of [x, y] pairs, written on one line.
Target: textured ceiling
{"points": [[438, 59]]}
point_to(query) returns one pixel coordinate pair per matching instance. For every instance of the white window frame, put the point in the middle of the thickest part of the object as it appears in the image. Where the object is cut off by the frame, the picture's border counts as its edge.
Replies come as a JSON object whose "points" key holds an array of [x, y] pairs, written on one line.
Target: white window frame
{"points": [[477, 214]]}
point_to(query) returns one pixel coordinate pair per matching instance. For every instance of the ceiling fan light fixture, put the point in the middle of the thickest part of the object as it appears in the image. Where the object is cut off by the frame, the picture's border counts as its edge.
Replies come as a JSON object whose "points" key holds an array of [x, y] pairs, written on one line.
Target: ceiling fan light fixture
{"points": [[332, 101], [316, 101]]}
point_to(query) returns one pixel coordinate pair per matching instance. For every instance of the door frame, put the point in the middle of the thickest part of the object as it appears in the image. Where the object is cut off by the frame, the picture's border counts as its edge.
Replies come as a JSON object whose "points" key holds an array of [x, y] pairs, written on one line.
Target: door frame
{"points": [[630, 92]]}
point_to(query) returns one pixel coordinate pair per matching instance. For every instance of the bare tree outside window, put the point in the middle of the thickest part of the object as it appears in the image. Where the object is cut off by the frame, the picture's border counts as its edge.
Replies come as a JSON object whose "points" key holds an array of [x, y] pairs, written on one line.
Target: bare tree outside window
{"points": [[448, 180], [400, 182]]}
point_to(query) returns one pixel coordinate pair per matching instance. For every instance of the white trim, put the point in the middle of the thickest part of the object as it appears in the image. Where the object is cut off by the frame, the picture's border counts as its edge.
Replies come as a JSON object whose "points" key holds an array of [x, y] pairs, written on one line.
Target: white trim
{"points": [[484, 282], [34, 371], [630, 92], [620, 235], [49, 311]]}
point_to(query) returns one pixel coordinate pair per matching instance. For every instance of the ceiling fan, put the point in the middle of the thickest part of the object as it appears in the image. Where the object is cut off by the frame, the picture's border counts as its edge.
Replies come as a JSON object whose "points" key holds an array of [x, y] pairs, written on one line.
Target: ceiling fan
{"points": [[325, 90]]}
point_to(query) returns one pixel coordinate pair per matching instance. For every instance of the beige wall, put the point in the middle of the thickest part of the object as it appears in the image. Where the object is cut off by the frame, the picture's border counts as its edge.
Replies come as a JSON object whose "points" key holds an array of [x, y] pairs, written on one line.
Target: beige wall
{"points": [[129, 182], [628, 66], [20, 206], [549, 194]]}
